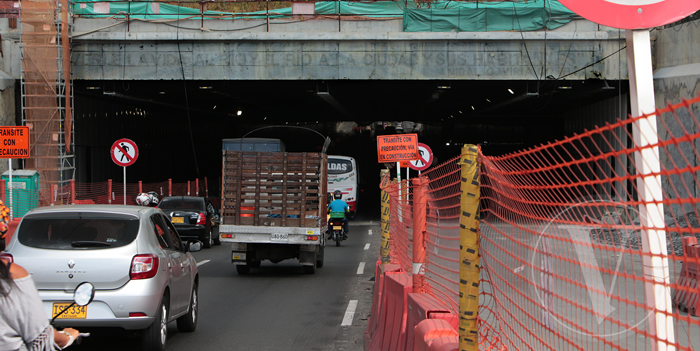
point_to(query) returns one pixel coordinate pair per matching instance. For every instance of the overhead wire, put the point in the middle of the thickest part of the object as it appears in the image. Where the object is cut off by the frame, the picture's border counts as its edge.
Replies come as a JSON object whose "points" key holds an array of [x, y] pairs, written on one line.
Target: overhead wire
{"points": [[187, 102]]}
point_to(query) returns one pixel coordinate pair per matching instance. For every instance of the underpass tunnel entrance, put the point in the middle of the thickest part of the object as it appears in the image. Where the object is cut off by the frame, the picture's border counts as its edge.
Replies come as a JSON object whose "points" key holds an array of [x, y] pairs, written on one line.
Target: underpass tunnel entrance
{"points": [[178, 126]]}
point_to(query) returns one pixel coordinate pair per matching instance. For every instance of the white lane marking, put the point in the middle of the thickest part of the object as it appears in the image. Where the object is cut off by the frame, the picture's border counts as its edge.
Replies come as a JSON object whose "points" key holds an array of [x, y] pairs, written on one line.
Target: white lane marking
{"points": [[366, 246], [201, 263], [369, 232], [361, 268], [350, 312]]}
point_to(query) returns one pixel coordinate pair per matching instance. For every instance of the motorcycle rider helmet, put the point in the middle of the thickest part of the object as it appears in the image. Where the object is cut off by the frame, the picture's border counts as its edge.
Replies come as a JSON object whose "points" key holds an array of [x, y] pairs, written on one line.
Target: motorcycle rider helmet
{"points": [[337, 194], [143, 199], [154, 197]]}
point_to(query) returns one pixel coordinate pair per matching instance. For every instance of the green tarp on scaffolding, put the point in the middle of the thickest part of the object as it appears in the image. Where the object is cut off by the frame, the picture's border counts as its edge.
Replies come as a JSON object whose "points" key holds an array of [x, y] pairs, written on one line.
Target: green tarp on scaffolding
{"points": [[439, 16], [483, 17]]}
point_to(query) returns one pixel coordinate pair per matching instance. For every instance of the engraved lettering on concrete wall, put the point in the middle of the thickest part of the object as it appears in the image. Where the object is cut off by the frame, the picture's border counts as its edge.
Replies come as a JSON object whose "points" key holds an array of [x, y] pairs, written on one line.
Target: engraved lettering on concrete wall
{"points": [[358, 60]]}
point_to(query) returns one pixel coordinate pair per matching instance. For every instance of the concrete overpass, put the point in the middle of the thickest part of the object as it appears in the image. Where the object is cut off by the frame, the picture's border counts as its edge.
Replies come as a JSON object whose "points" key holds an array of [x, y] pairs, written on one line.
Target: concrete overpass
{"points": [[105, 49]]}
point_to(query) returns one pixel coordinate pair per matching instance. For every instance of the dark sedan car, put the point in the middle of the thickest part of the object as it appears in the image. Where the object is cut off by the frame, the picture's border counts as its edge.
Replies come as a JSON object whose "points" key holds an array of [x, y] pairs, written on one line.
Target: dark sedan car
{"points": [[194, 217]]}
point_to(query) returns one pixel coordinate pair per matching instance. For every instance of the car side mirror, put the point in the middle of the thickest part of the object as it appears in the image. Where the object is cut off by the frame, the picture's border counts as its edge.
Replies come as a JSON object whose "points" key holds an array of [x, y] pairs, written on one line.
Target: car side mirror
{"points": [[84, 294], [194, 246]]}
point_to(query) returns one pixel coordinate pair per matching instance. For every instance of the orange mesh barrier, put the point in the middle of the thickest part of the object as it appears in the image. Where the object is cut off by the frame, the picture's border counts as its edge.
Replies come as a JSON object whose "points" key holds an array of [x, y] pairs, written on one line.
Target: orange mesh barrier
{"points": [[401, 224], [572, 259], [442, 239], [108, 192], [589, 243], [442, 233]]}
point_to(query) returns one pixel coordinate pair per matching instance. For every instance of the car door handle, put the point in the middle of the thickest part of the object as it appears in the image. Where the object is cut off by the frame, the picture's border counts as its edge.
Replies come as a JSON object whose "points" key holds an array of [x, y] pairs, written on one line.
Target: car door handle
{"points": [[169, 266]]}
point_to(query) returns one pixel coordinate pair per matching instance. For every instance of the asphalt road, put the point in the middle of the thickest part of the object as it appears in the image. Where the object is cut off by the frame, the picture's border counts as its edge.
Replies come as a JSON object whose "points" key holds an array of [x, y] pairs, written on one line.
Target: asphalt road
{"points": [[276, 306]]}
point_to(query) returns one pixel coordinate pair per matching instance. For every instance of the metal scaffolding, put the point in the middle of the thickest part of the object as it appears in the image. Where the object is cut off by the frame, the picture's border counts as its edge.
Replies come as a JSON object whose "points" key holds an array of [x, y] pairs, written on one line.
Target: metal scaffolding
{"points": [[46, 93]]}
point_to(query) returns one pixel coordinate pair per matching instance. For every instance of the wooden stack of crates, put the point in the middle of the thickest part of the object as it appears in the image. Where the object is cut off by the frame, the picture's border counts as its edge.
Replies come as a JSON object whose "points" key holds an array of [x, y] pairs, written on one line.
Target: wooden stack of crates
{"points": [[284, 189]]}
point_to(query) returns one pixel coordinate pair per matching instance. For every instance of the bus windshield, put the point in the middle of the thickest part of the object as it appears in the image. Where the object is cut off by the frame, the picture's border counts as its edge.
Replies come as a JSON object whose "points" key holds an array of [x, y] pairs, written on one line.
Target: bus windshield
{"points": [[339, 166], [343, 176]]}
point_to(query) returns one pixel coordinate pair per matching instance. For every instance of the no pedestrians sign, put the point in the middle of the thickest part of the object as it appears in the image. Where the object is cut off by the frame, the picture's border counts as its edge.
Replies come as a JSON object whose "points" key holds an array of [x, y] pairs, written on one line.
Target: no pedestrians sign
{"points": [[124, 152]]}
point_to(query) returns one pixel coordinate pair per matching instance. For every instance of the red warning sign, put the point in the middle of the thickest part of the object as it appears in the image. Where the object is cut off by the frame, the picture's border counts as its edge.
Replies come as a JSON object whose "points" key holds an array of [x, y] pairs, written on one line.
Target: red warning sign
{"points": [[14, 142], [399, 147]]}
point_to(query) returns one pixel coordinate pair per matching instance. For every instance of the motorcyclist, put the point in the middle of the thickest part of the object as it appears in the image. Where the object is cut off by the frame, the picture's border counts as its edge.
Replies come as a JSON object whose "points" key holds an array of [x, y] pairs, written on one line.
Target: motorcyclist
{"points": [[147, 199], [339, 209]]}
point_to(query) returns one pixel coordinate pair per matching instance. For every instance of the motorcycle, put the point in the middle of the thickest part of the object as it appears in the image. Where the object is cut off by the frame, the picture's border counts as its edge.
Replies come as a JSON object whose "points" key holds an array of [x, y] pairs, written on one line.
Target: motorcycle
{"points": [[82, 296], [337, 233]]}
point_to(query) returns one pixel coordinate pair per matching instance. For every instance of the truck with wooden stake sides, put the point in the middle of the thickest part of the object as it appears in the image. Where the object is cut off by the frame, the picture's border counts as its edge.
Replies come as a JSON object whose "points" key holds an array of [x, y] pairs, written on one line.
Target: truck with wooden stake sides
{"points": [[274, 207]]}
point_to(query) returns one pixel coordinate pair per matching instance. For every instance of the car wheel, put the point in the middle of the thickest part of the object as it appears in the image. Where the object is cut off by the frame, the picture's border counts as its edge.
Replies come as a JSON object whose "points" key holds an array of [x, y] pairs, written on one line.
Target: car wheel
{"points": [[208, 241], [188, 322], [243, 269], [154, 337]]}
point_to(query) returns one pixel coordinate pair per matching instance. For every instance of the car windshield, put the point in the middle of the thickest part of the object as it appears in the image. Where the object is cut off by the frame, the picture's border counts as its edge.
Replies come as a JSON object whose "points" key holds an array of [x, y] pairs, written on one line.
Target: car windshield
{"points": [[78, 230], [185, 204]]}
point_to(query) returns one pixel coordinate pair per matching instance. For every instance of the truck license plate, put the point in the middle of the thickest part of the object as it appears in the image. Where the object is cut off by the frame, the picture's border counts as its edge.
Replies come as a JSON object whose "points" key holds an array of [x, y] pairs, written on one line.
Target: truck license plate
{"points": [[279, 237]]}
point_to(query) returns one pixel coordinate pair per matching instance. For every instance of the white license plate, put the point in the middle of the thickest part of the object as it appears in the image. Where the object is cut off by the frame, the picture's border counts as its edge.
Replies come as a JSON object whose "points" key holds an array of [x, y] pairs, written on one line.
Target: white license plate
{"points": [[279, 237]]}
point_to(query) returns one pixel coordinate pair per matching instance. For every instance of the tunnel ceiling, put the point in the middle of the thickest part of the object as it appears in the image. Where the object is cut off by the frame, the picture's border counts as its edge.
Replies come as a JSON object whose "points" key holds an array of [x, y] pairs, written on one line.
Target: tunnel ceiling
{"points": [[178, 126], [427, 102]]}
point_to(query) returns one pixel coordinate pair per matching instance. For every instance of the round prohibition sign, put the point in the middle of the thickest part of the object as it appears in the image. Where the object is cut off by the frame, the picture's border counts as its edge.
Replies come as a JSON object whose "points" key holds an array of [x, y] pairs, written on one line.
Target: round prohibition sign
{"points": [[124, 152], [425, 160], [632, 14]]}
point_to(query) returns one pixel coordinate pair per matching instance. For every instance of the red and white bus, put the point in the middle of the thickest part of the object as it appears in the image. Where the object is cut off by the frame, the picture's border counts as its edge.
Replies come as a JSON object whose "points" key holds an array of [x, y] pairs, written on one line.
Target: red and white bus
{"points": [[343, 176]]}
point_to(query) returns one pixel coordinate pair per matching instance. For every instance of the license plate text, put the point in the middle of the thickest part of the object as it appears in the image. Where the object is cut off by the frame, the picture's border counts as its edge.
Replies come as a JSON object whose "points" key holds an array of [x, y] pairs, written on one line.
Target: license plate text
{"points": [[75, 312]]}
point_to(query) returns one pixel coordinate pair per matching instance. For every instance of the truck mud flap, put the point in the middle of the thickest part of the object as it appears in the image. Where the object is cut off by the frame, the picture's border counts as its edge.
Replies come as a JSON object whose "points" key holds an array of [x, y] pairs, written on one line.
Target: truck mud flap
{"points": [[307, 254]]}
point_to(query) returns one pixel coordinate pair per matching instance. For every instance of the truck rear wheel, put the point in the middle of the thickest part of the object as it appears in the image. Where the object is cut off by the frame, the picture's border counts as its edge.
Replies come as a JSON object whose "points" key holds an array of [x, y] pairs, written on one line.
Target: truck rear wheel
{"points": [[243, 269]]}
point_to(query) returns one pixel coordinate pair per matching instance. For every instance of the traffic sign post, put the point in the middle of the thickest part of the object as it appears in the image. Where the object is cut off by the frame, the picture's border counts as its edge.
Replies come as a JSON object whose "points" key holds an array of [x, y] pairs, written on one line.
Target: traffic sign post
{"points": [[14, 143], [124, 153]]}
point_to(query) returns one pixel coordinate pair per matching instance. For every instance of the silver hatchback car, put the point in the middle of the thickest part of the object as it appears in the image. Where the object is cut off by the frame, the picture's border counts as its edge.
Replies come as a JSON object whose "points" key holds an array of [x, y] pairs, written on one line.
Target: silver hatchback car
{"points": [[144, 275]]}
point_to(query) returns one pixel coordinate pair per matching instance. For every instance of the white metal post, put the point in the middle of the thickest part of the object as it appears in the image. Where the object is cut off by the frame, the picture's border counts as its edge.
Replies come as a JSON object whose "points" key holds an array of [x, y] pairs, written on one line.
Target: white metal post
{"points": [[656, 270], [124, 185], [9, 162], [398, 176]]}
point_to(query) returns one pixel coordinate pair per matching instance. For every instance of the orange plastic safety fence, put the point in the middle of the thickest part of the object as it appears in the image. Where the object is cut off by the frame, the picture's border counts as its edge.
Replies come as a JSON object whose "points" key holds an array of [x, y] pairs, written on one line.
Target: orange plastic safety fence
{"points": [[442, 239], [582, 240], [401, 225], [107, 192]]}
